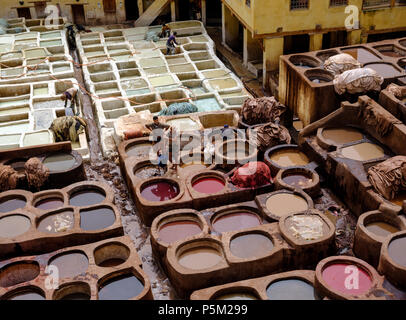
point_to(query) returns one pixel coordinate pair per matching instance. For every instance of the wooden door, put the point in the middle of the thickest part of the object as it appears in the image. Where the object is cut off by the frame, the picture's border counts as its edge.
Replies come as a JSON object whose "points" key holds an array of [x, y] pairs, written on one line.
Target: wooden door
{"points": [[131, 10], [78, 14], [24, 13], [110, 11]]}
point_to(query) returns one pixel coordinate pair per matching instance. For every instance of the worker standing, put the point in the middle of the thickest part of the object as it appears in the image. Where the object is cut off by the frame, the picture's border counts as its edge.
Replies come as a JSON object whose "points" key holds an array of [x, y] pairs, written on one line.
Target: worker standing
{"points": [[170, 44], [70, 95]]}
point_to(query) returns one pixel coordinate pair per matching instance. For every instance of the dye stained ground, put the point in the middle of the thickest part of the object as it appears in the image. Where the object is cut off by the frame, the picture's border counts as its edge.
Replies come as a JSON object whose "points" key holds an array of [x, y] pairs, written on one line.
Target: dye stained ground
{"points": [[108, 171]]}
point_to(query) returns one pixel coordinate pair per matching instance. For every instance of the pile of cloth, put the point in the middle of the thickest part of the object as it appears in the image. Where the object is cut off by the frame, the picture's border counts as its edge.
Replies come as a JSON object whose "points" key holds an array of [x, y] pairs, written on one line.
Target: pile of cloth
{"points": [[152, 35], [251, 175], [269, 135], [359, 80], [67, 128], [389, 177], [178, 108], [261, 110], [339, 63], [8, 178]]}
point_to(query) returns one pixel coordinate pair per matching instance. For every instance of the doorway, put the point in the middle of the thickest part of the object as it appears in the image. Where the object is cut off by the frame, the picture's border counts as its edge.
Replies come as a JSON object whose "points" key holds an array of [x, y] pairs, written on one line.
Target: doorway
{"points": [[110, 11], [131, 10], [296, 43], [213, 12], [334, 39], [78, 14], [40, 9], [24, 13]]}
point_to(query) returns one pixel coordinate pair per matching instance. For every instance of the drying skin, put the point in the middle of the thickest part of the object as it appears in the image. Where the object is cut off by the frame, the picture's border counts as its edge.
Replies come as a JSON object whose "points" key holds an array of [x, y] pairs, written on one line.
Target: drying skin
{"points": [[363, 152], [306, 227], [56, 223], [270, 135], [8, 178], [339, 63], [37, 173], [251, 175], [261, 110]]}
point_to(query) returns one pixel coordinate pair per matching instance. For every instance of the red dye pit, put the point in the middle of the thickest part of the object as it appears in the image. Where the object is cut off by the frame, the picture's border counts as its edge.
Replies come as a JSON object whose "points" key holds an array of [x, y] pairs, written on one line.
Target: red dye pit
{"points": [[160, 191], [174, 231], [355, 282], [208, 185], [236, 221]]}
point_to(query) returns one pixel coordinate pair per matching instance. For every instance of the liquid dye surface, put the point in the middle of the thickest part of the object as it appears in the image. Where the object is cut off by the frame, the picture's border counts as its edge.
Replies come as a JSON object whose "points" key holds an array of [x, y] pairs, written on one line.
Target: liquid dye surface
{"points": [[208, 185], [208, 104], [121, 288], [291, 289], [59, 222], [27, 296], [381, 229], [36, 138], [14, 226], [49, 203], [289, 158], [297, 180], [59, 162], [282, 204], [86, 198], [398, 200], [363, 152], [139, 150], [177, 230], [200, 258], [11, 205], [340, 136], [96, 219], [236, 221], [160, 191], [362, 55], [385, 70], [71, 265], [336, 277], [237, 296], [249, 246], [397, 251]]}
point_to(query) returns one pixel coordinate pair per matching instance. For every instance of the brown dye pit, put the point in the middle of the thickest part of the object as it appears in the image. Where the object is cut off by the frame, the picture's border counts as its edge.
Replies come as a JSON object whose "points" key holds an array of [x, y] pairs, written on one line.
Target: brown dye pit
{"points": [[398, 200], [385, 70], [59, 162], [177, 230], [139, 150], [19, 272], [70, 265], [340, 136], [297, 180], [49, 204], [282, 204], [249, 246], [27, 295], [363, 152], [59, 222], [96, 219], [14, 225], [86, 198], [237, 296], [121, 288], [236, 221], [306, 227], [12, 204], [381, 229], [289, 158], [396, 251], [200, 258]]}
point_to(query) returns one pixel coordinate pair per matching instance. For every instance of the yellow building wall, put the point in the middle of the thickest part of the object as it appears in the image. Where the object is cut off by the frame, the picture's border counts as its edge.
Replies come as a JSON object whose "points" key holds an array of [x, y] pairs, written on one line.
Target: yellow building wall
{"points": [[244, 13], [388, 18]]}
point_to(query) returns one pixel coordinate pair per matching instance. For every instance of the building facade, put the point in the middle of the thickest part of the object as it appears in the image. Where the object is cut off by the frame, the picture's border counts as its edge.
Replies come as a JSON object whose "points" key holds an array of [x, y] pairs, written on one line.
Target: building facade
{"points": [[270, 28]]}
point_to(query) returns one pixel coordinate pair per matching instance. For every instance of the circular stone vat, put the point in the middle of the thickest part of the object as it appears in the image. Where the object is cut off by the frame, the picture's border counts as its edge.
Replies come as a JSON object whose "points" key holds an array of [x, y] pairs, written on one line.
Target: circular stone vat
{"points": [[73, 291], [236, 151], [14, 225], [49, 203], [27, 294], [160, 190], [299, 177], [235, 221], [97, 219], [200, 257], [385, 70], [297, 180], [381, 229], [11, 203], [111, 254], [286, 156], [303, 61], [396, 251], [87, 197], [319, 76], [17, 164], [291, 289], [208, 185], [335, 276], [122, 287], [363, 152], [141, 149], [59, 162], [57, 222], [70, 264], [284, 203], [324, 55], [177, 230], [306, 227], [18, 272], [237, 296], [249, 246], [340, 136]]}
